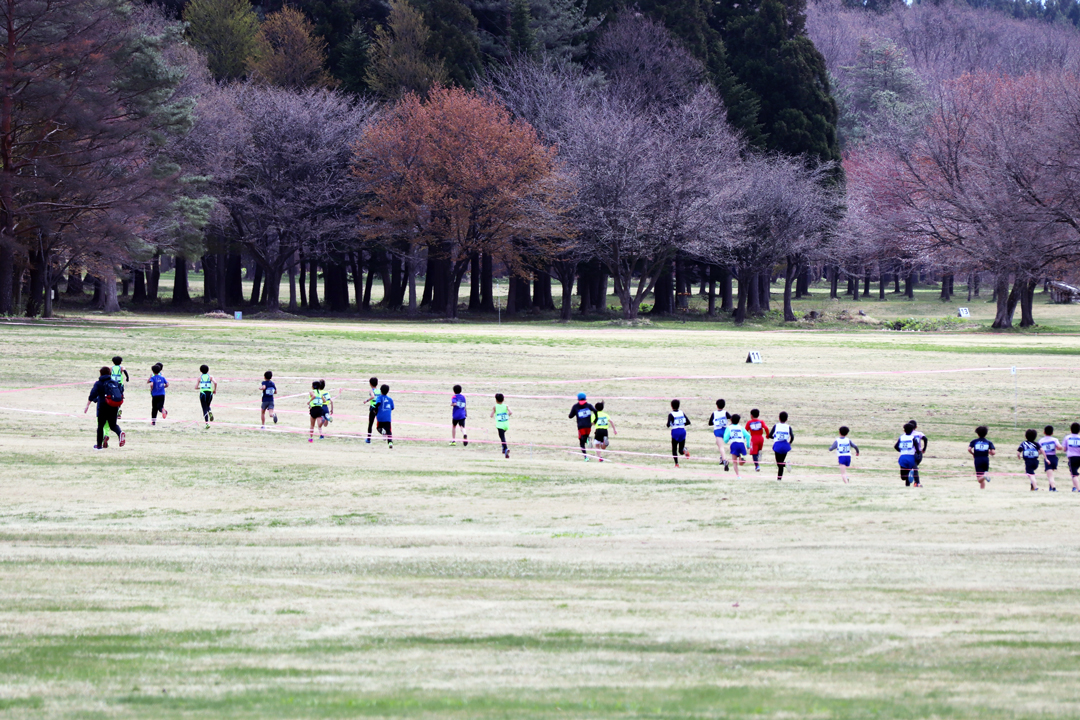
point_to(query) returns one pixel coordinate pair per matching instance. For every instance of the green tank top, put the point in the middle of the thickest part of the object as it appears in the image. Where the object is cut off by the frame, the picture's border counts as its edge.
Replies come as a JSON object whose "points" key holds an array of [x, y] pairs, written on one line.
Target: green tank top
{"points": [[325, 397], [118, 374], [372, 402], [602, 420], [502, 417], [316, 400], [206, 384]]}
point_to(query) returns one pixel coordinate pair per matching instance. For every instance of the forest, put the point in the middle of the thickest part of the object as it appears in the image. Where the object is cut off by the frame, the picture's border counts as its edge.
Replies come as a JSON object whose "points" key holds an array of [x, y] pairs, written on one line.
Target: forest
{"points": [[646, 146]]}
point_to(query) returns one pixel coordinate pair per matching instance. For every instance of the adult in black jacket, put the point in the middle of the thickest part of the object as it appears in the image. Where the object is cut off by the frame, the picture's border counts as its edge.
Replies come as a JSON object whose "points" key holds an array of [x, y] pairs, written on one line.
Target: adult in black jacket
{"points": [[106, 413]]}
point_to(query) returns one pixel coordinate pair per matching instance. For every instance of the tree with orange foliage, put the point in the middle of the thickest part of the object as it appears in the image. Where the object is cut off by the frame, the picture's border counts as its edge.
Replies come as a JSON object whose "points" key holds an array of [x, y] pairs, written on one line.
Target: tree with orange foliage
{"points": [[288, 53], [457, 174]]}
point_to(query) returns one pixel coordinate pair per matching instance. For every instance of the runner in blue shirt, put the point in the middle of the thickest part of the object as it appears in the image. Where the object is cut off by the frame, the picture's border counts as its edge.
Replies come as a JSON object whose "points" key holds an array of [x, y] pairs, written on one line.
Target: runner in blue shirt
{"points": [[157, 385], [269, 390], [677, 421], [383, 407], [458, 414], [906, 446]]}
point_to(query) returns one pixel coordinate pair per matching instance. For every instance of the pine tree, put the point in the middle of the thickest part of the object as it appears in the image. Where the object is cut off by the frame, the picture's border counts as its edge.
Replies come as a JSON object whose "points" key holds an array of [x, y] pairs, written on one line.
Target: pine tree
{"points": [[224, 30], [453, 38], [400, 62], [770, 54], [522, 38]]}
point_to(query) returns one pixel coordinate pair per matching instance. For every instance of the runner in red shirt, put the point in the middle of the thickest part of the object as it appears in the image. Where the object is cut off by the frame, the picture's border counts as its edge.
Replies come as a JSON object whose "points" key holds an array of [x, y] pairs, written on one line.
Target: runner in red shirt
{"points": [[758, 430]]}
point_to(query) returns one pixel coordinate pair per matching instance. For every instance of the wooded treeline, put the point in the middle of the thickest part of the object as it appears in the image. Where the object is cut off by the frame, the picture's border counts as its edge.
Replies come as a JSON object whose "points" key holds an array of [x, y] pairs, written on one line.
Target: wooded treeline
{"points": [[654, 147]]}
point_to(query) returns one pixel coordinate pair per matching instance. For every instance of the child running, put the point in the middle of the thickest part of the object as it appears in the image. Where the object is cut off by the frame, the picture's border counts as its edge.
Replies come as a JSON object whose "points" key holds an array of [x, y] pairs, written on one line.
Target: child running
{"points": [[327, 404], [1072, 452], [758, 430], [843, 446], [735, 437], [782, 436], [119, 375], [157, 385], [980, 450], [269, 390], [718, 421], [601, 426], [1049, 446], [1029, 453], [921, 443], [584, 413], [458, 414], [315, 411], [677, 421], [383, 415], [109, 395], [905, 445], [502, 414], [373, 406], [207, 387]]}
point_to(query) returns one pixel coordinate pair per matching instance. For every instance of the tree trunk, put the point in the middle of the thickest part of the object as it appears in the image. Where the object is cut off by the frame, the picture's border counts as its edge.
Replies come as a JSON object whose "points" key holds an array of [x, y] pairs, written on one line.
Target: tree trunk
{"points": [[682, 285], [209, 278], [542, 299], [97, 302], [125, 284], [740, 307], [753, 294], [487, 283], [662, 292], [75, 284], [584, 287], [896, 282], [180, 295], [7, 277], [790, 273], [725, 289], [866, 282], [710, 274], [946, 289], [273, 289], [256, 285], [292, 286], [854, 287], [566, 279], [410, 272], [112, 304], [883, 283], [975, 280], [765, 290], [474, 282], [1027, 303], [909, 286], [365, 306], [234, 280], [834, 281], [35, 295], [313, 285], [802, 283], [138, 296], [1005, 304], [511, 296], [356, 259], [302, 283]]}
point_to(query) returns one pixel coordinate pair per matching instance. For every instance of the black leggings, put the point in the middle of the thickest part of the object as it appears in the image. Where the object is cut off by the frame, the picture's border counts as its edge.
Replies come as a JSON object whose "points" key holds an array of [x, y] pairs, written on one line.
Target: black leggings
{"points": [[502, 439], [781, 458], [157, 404], [106, 416], [678, 447], [370, 420], [918, 461], [205, 398]]}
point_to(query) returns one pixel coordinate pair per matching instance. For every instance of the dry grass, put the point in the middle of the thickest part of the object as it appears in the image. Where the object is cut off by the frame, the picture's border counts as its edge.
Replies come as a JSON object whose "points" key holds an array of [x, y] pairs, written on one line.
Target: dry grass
{"points": [[245, 573]]}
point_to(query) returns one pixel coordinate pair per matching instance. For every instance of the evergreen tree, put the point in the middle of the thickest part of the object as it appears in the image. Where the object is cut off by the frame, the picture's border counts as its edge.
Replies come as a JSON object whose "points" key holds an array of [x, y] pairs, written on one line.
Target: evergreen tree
{"points": [[770, 54], [288, 53], [224, 30], [453, 38], [522, 38], [353, 57], [400, 62]]}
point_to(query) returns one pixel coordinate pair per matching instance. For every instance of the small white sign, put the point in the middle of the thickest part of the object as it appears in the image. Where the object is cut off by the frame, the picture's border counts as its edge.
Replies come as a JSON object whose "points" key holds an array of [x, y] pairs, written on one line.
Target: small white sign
{"points": [[1013, 369], [238, 315], [963, 312], [754, 357]]}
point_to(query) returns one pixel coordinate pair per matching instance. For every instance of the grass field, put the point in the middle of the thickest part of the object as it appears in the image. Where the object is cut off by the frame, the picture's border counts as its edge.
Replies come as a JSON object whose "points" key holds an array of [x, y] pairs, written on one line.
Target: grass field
{"points": [[245, 573]]}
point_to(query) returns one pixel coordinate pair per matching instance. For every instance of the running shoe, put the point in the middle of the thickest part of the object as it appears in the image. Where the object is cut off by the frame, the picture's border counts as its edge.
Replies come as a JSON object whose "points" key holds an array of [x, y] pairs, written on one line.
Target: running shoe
{"points": [[311, 440], [98, 447], [104, 442], [465, 441], [600, 459], [390, 444], [507, 454], [1034, 488], [453, 443], [210, 417], [153, 422], [586, 458], [757, 468], [275, 418], [123, 438], [322, 437], [164, 414], [687, 454], [368, 441], [1053, 489], [727, 466], [329, 418], [207, 426]]}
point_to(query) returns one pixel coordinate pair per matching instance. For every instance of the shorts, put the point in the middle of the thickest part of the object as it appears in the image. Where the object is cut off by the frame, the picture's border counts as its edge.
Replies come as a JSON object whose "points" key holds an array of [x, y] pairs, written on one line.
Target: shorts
{"points": [[326, 410], [678, 434], [457, 422], [600, 435], [383, 426], [737, 449], [157, 402], [907, 462], [267, 404], [718, 432], [584, 432], [1051, 462], [844, 460], [756, 444], [982, 465], [1031, 465], [316, 412], [781, 446], [1074, 465]]}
